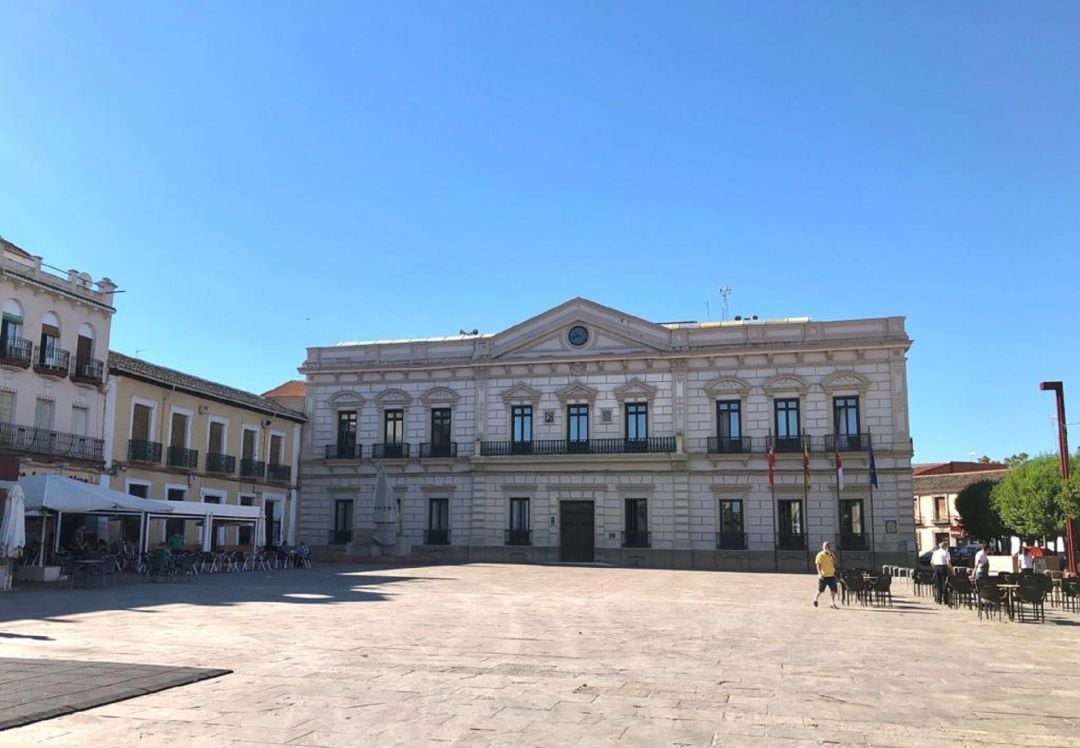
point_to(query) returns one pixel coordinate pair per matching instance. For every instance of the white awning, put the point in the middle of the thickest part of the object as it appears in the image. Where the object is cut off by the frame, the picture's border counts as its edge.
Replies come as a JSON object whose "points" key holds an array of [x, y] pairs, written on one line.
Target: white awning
{"points": [[62, 494]]}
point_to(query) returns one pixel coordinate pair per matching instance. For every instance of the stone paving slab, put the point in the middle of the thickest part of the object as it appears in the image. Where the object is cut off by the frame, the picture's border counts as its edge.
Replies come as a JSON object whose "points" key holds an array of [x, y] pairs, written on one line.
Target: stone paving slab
{"points": [[32, 690], [490, 655]]}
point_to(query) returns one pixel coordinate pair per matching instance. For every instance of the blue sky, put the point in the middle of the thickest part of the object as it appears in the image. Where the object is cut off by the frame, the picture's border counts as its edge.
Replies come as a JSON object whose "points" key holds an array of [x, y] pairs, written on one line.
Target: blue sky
{"points": [[306, 173]]}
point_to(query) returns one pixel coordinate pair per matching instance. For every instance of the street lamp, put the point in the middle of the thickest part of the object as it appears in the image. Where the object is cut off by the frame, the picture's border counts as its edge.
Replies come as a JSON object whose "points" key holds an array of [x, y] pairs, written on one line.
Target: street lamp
{"points": [[1063, 447]]}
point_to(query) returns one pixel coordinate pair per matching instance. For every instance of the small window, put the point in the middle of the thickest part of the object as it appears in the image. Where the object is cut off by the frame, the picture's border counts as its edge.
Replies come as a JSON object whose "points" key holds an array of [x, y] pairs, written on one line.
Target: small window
{"points": [[248, 444], [577, 423], [519, 514], [277, 449], [438, 532], [521, 423], [217, 438], [440, 429], [941, 510], [141, 418], [343, 522], [139, 489], [790, 515], [852, 536], [637, 422], [731, 525], [394, 426], [44, 414], [729, 419], [636, 534], [7, 406], [80, 420], [346, 428]]}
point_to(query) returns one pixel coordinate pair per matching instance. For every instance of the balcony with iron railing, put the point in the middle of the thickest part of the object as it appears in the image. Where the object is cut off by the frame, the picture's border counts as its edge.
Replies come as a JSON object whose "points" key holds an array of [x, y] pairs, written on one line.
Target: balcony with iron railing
{"points": [[140, 450], [438, 449], [220, 464], [518, 537], [788, 443], [436, 537], [252, 469], [389, 451], [340, 537], [50, 444], [344, 451], [182, 458], [88, 371], [653, 444], [731, 541], [847, 442], [720, 445], [278, 473], [53, 362], [636, 539], [16, 352]]}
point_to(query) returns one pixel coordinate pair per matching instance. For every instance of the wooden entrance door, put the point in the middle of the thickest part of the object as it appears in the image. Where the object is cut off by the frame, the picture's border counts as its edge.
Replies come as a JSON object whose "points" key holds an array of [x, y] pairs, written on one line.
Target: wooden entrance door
{"points": [[576, 531]]}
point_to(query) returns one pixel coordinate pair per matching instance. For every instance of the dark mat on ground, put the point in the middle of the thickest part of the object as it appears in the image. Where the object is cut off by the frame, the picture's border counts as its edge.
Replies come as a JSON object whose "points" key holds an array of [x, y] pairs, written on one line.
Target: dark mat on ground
{"points": [[35, 689]]}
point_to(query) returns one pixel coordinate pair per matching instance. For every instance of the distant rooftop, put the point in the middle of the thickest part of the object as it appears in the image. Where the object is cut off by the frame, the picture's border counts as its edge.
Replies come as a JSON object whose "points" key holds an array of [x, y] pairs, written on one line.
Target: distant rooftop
{"points": [[17, 262], [292, 388]]}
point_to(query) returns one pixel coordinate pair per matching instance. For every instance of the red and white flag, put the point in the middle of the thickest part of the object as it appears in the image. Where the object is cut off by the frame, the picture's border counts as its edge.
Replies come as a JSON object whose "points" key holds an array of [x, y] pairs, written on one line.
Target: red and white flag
{"points": [[772, 463], [839, 468]]}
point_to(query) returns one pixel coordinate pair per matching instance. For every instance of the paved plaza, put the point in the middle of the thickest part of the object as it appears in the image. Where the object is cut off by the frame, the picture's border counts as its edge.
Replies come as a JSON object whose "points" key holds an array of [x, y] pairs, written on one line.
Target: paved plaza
{"points": [[547, 655]]}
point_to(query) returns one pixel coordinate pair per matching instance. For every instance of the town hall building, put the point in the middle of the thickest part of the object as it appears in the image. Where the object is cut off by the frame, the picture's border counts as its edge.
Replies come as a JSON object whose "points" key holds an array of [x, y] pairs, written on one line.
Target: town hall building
{"points": [[586, 434]]}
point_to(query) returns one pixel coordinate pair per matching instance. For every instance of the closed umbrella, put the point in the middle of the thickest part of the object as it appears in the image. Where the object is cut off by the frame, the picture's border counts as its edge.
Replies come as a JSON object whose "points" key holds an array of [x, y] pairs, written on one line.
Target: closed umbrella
{"points": [[12, 531]]}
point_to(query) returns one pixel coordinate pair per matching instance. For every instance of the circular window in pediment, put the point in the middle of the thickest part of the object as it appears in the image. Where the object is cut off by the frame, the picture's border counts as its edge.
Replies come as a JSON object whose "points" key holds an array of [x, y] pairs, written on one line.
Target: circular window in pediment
{"points": [[578, 336]]}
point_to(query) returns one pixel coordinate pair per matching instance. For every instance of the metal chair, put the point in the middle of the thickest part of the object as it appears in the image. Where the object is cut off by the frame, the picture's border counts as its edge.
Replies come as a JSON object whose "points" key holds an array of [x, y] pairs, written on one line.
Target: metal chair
{"points": [[990, 599]]}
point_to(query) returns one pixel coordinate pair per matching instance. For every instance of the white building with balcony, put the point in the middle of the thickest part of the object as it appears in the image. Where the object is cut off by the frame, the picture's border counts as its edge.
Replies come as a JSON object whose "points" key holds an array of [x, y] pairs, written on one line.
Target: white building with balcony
{"points": [[54, 341], [587, 434]]}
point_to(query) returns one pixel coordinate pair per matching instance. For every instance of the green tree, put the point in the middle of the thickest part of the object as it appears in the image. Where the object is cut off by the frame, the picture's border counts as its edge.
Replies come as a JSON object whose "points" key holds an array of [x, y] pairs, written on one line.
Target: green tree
{"points": [[978, 515], [1017, 459], [1030, 499]]}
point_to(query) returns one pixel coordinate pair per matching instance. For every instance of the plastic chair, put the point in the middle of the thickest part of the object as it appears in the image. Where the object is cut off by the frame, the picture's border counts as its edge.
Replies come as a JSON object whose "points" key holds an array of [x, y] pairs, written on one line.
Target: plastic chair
{"points": [[990, 599], [1033, 595], [962, 591]]}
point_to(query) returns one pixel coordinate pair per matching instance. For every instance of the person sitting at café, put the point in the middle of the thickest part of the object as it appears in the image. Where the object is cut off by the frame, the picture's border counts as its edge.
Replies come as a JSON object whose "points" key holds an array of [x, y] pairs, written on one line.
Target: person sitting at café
{"points": [[1022, 561], [78, 539], [176, 542]]}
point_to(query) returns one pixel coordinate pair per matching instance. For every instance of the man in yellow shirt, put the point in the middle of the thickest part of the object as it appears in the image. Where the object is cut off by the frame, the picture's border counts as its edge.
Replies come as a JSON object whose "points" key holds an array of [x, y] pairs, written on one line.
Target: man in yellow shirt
{"points": [[826, 569]]}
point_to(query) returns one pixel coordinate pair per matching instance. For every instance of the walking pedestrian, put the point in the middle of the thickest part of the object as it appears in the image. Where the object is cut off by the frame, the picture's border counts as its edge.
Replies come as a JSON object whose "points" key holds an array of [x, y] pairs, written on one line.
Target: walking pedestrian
{"points": [[942, 566], [981, 568], [825, 562]]}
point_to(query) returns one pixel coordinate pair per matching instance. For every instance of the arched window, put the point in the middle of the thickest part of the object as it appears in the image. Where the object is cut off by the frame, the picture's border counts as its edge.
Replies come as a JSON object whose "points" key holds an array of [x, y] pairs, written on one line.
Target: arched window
{"points": [[11, 326], [50, 342], [84, 350]]}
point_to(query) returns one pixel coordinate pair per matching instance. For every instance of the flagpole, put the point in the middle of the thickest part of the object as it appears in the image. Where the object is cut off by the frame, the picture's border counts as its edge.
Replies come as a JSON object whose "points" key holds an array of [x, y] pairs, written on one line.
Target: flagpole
{"points": [[806, 496], [872, 475], [770, 459], [836, 474]]}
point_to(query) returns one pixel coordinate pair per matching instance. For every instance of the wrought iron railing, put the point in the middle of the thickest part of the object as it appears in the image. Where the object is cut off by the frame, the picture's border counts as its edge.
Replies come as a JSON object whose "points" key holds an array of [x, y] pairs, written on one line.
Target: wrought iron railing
{"points": [[252, 468], [52, 361], [636, 539], [140, 450], [731, 541], [847, 442], [518, 537], [729, 444], [88, 370], [16, 351], [590, 446], [788, 443], [437, 449], [344, 451], [340, 537], [389, 451], [791, 541], [436, 537], [182, 457], [45, 442], [220, 464], [278, 473]]}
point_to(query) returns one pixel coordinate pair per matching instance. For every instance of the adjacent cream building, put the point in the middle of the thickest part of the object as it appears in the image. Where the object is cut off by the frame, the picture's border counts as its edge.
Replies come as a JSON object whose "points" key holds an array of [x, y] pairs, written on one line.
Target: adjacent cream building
{"points": [[177, 437], [54, 341], [588, 434], [936, 487]]}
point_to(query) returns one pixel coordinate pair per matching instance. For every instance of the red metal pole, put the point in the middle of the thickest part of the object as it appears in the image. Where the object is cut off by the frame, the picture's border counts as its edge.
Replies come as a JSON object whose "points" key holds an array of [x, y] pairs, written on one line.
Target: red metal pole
{"points": [[1063, 449]]}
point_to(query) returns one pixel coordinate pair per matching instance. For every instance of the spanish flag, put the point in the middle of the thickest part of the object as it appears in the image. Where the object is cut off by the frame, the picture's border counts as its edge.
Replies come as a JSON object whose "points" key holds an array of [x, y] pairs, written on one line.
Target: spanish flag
{"points": [[806, 461]]}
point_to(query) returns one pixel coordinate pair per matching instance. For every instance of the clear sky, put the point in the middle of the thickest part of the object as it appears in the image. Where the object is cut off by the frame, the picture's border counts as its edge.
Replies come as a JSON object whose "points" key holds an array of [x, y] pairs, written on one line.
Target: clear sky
{"points": [[263, 176]]}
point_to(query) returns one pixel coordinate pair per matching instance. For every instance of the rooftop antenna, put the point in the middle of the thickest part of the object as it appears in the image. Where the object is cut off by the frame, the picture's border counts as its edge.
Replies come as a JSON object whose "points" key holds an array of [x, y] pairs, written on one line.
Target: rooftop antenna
{"points": [[708, 312], [724, 293]]}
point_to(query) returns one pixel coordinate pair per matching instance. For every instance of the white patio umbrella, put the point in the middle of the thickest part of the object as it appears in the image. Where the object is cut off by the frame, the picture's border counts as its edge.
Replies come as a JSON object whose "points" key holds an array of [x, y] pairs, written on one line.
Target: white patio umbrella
{"points": [[385, 514], [12, 531]]}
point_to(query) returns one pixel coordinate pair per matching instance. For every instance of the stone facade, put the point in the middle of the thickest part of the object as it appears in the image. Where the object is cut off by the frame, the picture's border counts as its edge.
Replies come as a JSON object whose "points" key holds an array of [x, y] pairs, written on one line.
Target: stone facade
{"points": [[584, 403]]}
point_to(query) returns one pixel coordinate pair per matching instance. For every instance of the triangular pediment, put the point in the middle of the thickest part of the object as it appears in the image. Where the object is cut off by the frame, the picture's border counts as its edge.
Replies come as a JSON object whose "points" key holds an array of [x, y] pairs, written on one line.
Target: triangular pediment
{"points": [[635, 389], [607, 332], [521, 393], [577, 391]]}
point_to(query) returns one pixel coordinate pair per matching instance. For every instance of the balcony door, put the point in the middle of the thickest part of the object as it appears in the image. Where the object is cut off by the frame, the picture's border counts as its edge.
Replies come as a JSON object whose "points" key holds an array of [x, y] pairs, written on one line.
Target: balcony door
{"points": [[141, 416], [440, 432], [577, 428]]}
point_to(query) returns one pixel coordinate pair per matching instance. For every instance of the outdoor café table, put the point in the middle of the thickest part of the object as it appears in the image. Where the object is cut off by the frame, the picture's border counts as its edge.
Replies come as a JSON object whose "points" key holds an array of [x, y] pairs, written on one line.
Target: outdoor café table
{"points": [[1010, 591], [87, 565]]}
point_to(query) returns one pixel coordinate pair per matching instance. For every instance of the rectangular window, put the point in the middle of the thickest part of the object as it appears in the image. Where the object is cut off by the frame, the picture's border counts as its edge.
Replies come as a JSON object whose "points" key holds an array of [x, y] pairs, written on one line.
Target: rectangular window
{"points": [[7, 407], [80, 420], [941, 509], [84, 350], [141, 416], [346, 429], [518, 534], [217, 438], [44, 414], [440, 432], [577, 425], [139, 489], [637, 422], [731, 525], [50, 346], [787, 425], [277, 449], [521, 429], [790, 515], [393, 426], [636, 534], [852, 536], [343, 522], [846, 422], [729, 419], [438, 532], [248, 442], [179, 430], [10, 328]]}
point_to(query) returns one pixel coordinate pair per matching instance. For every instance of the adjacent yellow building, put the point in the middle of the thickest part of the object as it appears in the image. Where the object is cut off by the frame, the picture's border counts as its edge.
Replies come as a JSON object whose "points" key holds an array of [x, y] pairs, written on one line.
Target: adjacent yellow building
{"points": [[173, 436]]}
